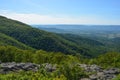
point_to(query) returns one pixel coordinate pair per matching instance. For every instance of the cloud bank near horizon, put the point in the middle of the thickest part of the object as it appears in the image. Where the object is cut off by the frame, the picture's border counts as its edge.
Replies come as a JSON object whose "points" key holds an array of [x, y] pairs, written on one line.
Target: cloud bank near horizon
{"points": [[32, 18]]}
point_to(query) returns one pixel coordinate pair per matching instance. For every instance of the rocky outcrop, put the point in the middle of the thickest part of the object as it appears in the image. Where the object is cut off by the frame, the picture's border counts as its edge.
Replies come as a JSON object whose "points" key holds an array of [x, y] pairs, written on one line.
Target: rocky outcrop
{"points": [[95, 72], [12, 66], [98, 73]]}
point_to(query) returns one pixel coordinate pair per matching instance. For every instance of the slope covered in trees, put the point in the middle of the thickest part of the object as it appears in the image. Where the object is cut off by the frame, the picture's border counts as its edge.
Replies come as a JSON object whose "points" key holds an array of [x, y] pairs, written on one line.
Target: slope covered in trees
{"points": [[89, 36], [7, 40], [39, 39], [96, 48]]}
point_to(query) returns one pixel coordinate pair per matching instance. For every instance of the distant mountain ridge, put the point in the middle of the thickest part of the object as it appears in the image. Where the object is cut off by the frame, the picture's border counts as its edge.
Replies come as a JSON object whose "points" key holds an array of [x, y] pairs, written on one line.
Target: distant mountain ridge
{"points": [[106, 31], [81, 27]]}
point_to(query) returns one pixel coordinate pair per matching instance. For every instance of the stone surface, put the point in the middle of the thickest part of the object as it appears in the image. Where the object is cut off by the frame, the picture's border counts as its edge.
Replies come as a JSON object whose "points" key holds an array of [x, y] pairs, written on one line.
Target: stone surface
{"points": [[95, 72], [49, 67], [99, 72], [12, 66]]}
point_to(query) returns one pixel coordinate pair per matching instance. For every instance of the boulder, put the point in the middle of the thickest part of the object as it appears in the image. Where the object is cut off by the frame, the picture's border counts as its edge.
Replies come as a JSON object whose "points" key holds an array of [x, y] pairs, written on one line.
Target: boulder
{"points": [[112, 71], [12, 66]]}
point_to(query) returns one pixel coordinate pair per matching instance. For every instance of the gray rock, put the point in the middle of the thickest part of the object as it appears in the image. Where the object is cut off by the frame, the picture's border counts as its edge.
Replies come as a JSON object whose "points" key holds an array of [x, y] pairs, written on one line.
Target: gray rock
{"points": [[112, 71], [50, 67], [93, 77], [91, 68], [8, 67], [99, 72]]}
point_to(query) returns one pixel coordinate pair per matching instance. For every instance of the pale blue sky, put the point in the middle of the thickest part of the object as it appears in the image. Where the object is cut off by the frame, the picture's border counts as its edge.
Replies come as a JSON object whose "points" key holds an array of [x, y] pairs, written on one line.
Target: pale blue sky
{"points": [[62, 11]]}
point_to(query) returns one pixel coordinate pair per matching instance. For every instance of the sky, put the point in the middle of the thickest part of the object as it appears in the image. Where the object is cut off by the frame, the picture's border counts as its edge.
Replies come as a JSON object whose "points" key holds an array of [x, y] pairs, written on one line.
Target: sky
{"points": [[102, 12]]}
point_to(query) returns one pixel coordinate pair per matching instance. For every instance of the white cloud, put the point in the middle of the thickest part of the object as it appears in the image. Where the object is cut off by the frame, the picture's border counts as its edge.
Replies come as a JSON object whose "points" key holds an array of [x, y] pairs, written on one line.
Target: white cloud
{"points": [[48, 19]]}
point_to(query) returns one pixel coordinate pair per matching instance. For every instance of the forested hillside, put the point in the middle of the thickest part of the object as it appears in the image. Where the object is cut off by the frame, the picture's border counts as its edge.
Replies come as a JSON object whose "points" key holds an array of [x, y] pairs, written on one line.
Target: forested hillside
{"points": [[99, 39], [39, 39], [96, 48], [7, 40]]}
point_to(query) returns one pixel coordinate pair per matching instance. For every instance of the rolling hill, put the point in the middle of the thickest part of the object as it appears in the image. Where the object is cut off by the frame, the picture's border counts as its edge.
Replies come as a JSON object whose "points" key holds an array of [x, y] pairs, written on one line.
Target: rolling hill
{"points": [[39, 39]]}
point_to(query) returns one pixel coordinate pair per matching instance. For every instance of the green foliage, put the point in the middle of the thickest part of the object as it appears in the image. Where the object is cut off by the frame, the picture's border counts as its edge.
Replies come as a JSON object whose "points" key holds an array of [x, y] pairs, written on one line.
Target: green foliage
{"points": [[117, 78], [10, 53], [29, 76], [108, 60], [7, 40], [95, 47], [72, 71]]}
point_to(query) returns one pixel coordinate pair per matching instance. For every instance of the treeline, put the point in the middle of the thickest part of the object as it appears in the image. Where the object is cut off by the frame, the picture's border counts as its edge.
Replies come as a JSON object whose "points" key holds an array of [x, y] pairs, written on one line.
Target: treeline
{"points": [[111, 59], [10, 54]]}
